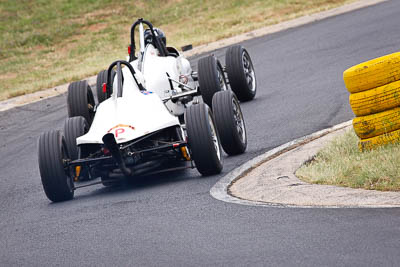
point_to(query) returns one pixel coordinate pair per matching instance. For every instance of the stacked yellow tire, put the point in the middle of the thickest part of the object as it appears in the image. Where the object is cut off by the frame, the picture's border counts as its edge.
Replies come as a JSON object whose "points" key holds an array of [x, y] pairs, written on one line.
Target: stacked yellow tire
{"points": [[374, 88]]}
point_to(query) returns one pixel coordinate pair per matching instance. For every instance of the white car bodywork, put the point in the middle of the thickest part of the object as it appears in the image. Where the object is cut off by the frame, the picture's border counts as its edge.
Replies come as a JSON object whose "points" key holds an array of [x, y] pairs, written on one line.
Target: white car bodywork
{"points": [[128, 117], [155, 68], [137, 112]]}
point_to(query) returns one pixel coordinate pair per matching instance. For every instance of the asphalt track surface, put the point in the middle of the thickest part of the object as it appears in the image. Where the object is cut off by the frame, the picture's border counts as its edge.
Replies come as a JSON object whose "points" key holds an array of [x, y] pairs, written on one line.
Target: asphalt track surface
{"points": [[172, 220]]}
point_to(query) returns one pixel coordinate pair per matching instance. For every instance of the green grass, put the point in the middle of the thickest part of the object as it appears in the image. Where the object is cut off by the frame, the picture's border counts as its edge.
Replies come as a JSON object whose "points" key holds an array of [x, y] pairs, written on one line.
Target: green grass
{"points": [[341, 163], [44, 43]]}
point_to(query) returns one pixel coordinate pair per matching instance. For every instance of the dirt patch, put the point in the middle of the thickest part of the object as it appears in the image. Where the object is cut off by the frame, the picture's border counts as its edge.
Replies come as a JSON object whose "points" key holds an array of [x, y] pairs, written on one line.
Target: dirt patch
{"points": [[8, 75], [97, 27]]}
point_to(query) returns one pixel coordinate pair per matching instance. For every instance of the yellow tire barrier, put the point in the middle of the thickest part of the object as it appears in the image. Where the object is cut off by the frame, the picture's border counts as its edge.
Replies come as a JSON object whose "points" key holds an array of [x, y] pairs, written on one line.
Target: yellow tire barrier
{"points": [[377, 124], [374, 73], [376, 100], [374, 142]]}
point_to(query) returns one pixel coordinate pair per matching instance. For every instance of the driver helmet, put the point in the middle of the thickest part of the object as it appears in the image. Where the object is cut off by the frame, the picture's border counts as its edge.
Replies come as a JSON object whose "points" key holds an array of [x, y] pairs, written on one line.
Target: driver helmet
{"points": [[148, 37]]}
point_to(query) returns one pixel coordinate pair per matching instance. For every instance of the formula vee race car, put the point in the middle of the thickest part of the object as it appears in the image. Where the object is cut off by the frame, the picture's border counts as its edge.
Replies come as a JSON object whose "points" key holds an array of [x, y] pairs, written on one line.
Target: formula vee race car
{"points": [[154, 114]]}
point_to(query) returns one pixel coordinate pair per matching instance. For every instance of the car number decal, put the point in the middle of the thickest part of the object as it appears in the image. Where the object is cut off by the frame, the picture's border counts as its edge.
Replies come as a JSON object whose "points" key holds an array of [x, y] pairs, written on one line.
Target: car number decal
{"points": [[120, 129]]}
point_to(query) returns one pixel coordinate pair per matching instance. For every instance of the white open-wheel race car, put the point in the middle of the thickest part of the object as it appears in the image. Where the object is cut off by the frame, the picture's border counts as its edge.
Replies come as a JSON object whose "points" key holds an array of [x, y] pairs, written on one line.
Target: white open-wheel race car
{"points": [[149, 117]]}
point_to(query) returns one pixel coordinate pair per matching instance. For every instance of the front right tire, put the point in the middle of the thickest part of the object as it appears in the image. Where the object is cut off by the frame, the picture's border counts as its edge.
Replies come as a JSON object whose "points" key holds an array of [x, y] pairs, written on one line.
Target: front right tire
{"points": [[203, 139]]}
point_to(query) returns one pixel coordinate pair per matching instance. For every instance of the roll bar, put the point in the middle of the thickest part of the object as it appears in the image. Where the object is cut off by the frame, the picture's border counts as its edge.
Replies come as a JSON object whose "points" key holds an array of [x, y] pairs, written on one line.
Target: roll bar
{"points": [[118, 63], [158, 43]]}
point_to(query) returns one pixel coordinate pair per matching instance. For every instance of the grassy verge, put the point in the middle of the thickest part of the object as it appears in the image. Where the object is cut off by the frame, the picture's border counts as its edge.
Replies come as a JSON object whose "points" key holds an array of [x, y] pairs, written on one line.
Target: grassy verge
{"points": [[44, 43], [341, 163]]}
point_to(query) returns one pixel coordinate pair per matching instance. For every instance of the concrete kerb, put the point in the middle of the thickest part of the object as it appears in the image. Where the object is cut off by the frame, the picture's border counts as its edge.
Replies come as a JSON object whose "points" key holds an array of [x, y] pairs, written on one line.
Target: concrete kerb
{"points": [[220, 189], [61, 89], [269, 180]]}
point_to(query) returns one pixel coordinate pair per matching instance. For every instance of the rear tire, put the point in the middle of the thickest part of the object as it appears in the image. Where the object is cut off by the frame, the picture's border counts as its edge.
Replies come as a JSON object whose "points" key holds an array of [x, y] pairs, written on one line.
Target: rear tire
{"points": [[211, 78], [102, 78], [57, 185], [80, 101], [230, 122], [203, 139], [73, 128], [241, 74]]}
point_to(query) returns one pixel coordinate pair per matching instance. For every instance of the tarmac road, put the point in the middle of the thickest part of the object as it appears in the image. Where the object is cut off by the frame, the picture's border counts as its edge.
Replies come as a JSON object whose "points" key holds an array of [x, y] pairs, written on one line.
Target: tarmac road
{"points": [[172, 220]]}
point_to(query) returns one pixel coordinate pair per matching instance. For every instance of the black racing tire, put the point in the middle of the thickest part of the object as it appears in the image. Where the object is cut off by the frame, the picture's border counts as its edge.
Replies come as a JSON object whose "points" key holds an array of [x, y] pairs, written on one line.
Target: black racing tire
{"points": [[241, 74], [230, 122], [73, 128], [102, 78], [211, 78], [203, 139], [57, 185], [80, 101]]}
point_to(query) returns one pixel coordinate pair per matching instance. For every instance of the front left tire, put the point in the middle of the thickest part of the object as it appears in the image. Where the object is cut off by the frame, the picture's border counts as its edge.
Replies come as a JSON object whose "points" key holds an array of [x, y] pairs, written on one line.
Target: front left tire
{"points": [[73, 128]]}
